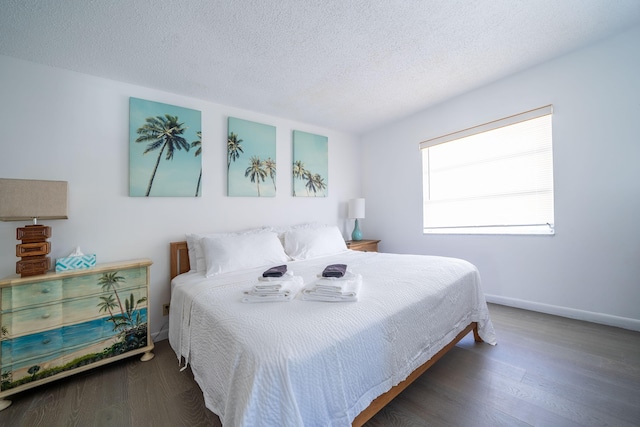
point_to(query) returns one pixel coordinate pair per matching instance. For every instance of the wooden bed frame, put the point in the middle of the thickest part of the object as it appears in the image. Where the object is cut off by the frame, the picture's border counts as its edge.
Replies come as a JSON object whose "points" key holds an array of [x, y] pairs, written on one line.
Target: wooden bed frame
{"points": [[180, 264]]}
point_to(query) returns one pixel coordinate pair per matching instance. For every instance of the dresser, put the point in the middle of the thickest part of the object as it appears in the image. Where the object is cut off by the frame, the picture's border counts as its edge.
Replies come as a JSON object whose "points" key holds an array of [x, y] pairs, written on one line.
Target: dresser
{"points": [[363, 245], [58, 324]]}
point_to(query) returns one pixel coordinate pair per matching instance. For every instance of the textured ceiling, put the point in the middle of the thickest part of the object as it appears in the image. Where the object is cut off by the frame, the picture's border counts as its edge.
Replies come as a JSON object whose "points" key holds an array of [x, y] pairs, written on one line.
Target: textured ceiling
{"points": [[350, 65]]}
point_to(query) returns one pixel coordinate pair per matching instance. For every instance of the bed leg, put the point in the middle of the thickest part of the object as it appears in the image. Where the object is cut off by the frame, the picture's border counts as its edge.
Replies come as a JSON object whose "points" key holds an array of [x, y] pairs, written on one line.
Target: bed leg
{"points": [[476, 335]]}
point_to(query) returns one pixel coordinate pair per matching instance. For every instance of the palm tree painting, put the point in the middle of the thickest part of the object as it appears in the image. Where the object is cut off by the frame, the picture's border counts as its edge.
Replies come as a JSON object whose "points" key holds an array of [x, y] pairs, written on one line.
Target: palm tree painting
{"points": [[269, 166], [310, 164], [251, 159], [198, 145], [160, 137], [234, 148], [256, 171]]}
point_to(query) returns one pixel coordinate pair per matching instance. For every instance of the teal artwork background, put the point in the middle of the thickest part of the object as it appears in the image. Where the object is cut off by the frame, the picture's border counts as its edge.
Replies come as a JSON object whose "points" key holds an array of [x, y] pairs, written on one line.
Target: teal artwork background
{"points": [[176, 177], [310, 165], [257, 141]]}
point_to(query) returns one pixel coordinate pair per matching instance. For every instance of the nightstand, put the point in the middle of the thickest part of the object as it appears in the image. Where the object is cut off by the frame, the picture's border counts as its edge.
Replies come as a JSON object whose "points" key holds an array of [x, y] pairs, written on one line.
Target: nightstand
{"points": [[363, 245]]}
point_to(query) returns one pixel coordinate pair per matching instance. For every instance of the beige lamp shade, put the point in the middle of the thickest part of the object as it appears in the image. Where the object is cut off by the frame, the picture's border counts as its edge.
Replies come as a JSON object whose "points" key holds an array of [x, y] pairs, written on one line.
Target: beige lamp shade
{"points": [[27, 199]]}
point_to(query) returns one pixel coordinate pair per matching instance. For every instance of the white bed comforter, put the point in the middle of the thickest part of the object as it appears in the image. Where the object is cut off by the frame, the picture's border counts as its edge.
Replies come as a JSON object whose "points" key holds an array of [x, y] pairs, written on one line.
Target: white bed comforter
{"points": [[305, 363]]}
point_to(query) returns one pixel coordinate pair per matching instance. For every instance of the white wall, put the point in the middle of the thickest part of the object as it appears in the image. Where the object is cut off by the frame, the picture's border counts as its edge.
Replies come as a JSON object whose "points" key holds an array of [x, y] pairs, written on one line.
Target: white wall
{"points": [[61, 125], [591, 268]]}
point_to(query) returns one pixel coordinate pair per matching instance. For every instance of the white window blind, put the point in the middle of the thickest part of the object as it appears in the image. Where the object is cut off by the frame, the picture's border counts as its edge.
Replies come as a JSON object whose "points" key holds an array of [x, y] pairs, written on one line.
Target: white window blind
{"points": [[495, 178]]}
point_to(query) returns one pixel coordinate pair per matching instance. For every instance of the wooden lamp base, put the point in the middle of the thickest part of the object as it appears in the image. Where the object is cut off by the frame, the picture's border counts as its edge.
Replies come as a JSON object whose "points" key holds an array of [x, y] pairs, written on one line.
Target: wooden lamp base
{"points": [[33, 250]]}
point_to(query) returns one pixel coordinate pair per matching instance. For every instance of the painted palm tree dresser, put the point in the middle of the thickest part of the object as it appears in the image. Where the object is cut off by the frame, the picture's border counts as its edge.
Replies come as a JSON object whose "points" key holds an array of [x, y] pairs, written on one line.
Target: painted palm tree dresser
{"points": [[58, 324]]}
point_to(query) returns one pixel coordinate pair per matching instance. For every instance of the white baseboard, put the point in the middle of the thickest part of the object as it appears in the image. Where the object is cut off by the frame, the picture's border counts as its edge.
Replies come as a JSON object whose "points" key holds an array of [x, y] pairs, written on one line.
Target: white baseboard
{"points": [[572, 313], [160, 335]]}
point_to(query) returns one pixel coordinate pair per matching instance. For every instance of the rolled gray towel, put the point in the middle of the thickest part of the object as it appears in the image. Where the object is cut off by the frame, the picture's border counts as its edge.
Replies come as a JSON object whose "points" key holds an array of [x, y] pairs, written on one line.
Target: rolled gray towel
{"points": [[275, 271], [334, 270]]}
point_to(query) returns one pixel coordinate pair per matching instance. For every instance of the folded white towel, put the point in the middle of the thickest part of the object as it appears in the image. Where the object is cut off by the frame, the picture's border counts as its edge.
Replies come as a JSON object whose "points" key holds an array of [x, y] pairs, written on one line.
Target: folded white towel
{"points": [[348, 287], [272, 286], [266, 292], [250, 296], [286, 290], [267, 298], [348, 275], [286, 276], [321, 291]]}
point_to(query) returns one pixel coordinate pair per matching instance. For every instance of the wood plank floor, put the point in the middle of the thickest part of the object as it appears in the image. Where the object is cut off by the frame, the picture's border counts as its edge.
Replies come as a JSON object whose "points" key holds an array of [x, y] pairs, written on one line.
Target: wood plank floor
{"points": [[545, 371]]}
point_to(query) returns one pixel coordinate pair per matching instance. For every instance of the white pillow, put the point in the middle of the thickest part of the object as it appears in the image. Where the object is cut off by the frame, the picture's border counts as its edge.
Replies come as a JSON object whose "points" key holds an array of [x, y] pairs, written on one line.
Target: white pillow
{"points": [[282, 230], [191, 246], [307, 243], [239, 252], [305, 225], [196, 254]]}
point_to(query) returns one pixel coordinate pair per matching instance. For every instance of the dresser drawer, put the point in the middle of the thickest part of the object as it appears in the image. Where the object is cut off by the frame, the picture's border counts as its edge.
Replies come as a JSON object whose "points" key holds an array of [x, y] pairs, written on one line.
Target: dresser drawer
{"points": [[83, 309], [39, 318], [22, 351], [31, 294], [90, 283]]}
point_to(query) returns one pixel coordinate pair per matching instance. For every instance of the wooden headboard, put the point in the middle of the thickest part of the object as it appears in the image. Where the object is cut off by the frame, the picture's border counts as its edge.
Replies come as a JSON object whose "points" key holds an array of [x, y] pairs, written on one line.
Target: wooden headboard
{"points": [[179, 261]]}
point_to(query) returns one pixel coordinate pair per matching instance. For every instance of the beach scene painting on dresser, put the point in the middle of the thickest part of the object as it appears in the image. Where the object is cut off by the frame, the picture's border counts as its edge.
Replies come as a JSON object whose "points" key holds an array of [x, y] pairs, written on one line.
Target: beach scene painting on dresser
{"points": [[58, 325]]}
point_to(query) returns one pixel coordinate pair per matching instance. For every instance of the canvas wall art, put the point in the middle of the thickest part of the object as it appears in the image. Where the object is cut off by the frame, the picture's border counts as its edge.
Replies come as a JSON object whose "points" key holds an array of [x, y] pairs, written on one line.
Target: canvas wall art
{"points": [[165, 147], [310, 165], [251, 159]]}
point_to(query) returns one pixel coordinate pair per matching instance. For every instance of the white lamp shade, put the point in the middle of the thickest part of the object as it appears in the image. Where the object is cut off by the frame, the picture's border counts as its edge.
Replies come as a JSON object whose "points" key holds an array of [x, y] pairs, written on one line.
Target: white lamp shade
{"points": [[356, 208], [25, 199]]}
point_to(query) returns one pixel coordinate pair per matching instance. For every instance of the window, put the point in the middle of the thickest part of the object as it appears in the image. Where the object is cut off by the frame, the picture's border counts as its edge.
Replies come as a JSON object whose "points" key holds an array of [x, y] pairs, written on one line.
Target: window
{"points": [[495, 178]]}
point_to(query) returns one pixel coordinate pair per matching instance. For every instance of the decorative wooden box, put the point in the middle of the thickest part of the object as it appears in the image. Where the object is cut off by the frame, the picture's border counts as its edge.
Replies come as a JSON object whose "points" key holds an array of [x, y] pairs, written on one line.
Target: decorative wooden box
{"points": [[58, 324]]}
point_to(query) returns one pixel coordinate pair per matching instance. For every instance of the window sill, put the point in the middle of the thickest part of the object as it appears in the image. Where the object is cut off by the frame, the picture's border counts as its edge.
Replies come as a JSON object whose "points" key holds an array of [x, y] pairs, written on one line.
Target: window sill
{"points": [[523, 230]]}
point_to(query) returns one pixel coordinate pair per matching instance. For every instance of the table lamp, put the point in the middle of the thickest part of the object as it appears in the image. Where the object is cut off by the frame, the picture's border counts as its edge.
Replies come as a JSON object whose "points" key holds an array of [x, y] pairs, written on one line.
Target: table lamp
{"points": [[26, 199], [356, 210]]}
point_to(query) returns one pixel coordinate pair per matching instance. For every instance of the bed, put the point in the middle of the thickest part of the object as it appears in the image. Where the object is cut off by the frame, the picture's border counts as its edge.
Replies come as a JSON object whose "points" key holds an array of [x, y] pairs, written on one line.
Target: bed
{"points": [[307, 363]]}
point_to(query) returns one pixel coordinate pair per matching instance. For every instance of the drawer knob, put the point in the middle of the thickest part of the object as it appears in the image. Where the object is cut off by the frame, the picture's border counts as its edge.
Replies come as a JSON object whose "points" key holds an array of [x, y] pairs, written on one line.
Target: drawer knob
{"points": [[46, 315], [46, 341], [46, 290]]}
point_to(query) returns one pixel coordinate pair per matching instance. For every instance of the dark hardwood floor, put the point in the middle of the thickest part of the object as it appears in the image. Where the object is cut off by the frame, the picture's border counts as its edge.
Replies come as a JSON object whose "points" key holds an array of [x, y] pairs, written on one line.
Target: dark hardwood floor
{"points": [[545, 371]]}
